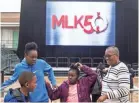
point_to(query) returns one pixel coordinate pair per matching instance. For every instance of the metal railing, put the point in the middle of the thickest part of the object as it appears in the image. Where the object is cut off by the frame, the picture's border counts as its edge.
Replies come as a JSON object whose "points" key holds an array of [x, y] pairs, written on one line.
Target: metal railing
{"points": [[2, 79], [87, 61], [67, 61], [9, 43], [74, 60], [52, 61], [9, 61], [97, 60], [62, 62]]}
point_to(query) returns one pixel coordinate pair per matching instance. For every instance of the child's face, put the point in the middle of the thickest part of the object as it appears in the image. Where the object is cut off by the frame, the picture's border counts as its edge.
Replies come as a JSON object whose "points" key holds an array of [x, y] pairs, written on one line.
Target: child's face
{"points": [[31, 57], [72, 77], [32, 84]]}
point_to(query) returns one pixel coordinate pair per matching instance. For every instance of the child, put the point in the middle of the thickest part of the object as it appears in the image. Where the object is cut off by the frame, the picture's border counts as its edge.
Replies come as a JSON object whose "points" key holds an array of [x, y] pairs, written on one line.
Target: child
{"points": [[39, 67], [74, 89], [27, 81]]}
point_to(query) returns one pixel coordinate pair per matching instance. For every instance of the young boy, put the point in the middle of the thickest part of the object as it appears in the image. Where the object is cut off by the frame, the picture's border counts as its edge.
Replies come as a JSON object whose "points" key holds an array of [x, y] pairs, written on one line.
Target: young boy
{"points": [[27, 81]]}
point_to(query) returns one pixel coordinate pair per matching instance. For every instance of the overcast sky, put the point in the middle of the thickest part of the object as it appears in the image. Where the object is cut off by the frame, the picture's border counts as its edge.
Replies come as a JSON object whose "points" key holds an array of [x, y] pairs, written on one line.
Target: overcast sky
{"points": [[10, 5]]}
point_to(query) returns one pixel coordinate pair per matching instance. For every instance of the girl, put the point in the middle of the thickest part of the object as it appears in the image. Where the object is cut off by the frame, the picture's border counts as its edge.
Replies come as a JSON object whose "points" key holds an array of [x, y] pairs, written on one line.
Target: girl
{"points": [[74, 89]]}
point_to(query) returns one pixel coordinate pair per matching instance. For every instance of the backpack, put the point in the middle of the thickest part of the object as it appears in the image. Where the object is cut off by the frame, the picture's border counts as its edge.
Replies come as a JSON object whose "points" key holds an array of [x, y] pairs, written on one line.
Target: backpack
{"points": [[96, 89], [16, 94]]}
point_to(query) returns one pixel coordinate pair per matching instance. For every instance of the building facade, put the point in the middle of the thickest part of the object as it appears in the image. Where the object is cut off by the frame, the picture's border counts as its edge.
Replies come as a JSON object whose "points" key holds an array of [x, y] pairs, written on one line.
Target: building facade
{"points": [[10, 29]]}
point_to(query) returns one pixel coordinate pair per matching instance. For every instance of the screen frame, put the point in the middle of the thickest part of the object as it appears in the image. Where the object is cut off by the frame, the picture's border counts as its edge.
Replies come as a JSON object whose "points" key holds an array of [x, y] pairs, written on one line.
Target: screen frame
{"points": [[83, 1]]}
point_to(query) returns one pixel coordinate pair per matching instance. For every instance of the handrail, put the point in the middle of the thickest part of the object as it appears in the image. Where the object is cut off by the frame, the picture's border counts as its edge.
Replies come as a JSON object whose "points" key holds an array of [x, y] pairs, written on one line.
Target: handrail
{"points": [[2, 79]]}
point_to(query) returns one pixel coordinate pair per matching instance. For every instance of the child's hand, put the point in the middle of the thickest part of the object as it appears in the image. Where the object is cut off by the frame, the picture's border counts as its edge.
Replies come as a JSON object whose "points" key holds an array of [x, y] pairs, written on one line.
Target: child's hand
{"points": [[55, 87], [79, 65], [47, 83]]}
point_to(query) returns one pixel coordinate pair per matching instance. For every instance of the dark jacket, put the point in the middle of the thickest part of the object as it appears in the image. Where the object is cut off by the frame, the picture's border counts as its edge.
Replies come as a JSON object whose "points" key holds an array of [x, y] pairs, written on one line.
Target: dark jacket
{"points": [[96, 89], [83, 87], [14, 95], [132, 74]]}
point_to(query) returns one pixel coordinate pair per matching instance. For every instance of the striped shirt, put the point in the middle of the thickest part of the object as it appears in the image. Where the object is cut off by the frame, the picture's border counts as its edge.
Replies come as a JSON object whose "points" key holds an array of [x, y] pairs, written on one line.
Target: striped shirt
{"points": [[116, 84]]}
